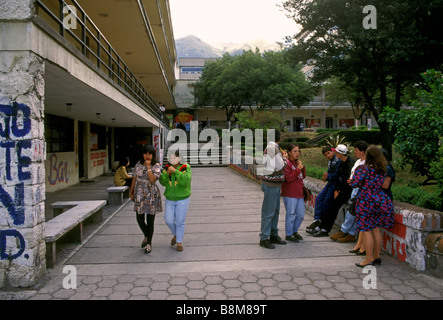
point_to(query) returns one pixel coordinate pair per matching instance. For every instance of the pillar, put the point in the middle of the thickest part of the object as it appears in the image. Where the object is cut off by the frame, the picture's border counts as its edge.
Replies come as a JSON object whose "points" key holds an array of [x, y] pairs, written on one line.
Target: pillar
{"points": [[22, 149]]}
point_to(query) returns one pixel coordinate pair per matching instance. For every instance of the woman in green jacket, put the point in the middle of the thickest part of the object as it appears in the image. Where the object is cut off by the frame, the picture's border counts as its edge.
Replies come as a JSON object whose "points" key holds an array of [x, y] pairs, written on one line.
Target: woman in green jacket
{"points": [[177, 180]]}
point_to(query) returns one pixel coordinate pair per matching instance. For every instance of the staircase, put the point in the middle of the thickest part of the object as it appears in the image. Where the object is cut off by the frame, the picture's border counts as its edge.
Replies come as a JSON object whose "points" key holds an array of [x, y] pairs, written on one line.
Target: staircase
{"points": [[209, 157]]}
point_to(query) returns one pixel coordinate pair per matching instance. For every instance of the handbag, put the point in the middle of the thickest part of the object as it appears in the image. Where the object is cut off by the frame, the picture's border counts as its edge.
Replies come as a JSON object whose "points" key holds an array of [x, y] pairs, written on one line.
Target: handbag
{"points": [[351, 207], [307, 195]]}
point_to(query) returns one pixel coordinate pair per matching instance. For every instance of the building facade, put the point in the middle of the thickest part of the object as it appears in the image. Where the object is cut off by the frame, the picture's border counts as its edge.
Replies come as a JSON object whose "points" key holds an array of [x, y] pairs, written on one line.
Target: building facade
{"points": [[318, 113], [80, 87]]}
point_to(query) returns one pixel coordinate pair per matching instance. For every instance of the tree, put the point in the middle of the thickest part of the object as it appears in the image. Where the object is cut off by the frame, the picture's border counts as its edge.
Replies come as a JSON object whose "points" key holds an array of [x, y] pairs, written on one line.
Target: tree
{"points": [[251, 79], [419, 136], [376, 63]]}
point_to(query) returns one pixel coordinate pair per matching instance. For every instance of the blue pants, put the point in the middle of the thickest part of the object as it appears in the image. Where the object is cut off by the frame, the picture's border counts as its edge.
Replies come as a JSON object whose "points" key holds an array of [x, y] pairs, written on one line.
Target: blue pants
{"points": [[295, 213], [323, 200], [270, 211], [175, 215]]}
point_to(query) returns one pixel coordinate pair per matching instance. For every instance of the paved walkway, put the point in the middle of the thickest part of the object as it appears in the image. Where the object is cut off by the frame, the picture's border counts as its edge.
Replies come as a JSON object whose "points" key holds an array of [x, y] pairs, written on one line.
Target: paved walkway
{"points": [[221, 259]]}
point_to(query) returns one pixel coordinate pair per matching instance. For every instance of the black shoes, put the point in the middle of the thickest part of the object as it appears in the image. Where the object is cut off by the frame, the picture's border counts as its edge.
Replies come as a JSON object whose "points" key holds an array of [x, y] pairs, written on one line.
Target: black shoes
{"points": [[295, 237], [313, 225], [277, 240], [266, 244], [269, 244], [321, 233]]}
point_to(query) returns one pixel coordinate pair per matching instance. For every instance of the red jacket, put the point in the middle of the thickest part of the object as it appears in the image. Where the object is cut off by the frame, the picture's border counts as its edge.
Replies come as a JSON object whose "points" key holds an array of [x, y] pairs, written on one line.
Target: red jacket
{"points": [[293, 185]]}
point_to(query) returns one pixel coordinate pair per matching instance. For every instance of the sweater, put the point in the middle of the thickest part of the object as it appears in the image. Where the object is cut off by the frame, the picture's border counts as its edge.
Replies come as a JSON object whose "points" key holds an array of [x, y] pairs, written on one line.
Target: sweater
{"points": [[178, 184], [293, 185]]}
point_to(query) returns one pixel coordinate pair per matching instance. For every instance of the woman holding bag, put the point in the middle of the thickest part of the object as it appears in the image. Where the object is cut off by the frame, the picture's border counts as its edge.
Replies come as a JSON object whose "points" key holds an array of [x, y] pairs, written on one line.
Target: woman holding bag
{"points": [[292, 193], [146, 194]]}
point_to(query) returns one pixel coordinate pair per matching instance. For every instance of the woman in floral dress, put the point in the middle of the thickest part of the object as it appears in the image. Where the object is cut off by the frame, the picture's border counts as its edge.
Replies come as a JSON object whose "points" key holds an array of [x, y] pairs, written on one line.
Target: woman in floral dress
{"points": [[374, 209], [146, 194]]}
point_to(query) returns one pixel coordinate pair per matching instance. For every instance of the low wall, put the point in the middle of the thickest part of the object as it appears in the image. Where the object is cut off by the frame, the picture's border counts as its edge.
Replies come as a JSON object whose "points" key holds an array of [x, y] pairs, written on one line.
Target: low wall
{"points": [[417, 235]]}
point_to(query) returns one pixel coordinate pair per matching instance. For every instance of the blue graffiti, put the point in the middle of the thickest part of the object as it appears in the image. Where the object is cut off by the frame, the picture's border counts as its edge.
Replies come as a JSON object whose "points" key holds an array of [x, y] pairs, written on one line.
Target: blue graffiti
{"points": [[17, 120], [16, 207], [21, 244], [15, 124]]}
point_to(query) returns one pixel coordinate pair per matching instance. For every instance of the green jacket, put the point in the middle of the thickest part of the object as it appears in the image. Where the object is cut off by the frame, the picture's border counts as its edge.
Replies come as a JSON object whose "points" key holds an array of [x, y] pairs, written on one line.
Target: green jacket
{"points": [[178, 185]]}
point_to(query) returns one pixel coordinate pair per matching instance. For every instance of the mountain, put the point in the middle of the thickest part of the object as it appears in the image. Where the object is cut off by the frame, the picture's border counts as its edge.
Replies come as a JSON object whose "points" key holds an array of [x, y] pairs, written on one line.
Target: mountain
{"points": [[193, 47]]}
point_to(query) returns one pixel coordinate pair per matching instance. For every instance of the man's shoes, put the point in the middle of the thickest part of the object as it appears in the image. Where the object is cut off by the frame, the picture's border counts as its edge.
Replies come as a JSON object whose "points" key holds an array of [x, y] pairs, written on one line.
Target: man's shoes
{"points": [[292, 238], [266, 244], [298, 236], [313, 231], [277, 240], [337, 235], [313, 225], [321, 233], [348, 238]]}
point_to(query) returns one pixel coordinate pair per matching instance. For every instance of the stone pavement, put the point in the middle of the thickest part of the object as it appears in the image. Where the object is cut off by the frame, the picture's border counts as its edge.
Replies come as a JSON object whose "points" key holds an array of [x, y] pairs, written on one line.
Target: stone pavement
{"points": [[221, 259]]}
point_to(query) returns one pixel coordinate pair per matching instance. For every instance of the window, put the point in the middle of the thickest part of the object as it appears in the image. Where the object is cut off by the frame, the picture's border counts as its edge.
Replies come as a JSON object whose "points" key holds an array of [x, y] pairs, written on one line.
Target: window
{"points": [[98, 137], [59, 134]]}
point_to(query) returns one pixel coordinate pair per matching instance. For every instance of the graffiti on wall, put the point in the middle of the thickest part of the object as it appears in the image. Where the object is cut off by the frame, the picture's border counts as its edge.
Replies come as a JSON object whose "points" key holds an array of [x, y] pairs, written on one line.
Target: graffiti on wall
{"points": [[15, 125], [58, 171]]}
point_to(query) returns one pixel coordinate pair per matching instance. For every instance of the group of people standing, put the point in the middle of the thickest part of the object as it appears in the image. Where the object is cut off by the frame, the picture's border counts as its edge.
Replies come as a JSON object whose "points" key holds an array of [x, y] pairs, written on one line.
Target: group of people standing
{"points": [[144, 191], [363, 184]]}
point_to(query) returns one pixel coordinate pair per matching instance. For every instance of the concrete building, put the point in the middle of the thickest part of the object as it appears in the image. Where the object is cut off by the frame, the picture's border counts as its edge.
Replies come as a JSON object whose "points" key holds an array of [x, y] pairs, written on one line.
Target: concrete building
{"points": [[80, 86], [318, 113]]}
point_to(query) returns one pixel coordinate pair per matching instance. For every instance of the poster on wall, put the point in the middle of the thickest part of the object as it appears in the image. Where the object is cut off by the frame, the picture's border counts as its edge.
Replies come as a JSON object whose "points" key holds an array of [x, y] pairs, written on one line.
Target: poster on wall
{"points": [[94, 141]]}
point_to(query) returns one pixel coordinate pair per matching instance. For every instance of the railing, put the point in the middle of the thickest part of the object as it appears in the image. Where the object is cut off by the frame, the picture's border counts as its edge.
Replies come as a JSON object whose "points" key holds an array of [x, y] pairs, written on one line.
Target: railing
{"points": [[88, 39]]}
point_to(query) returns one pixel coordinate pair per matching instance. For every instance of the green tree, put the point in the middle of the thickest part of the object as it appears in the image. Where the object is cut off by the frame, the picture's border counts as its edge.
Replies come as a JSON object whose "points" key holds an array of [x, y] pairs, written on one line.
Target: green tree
{"points": [[251, 79], [376, 63], [419, 136]]}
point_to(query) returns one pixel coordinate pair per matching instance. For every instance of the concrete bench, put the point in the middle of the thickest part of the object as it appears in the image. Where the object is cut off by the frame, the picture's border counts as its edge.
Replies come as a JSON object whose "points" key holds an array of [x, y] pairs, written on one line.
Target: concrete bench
{"points": [[69, 221], [117, 194]]}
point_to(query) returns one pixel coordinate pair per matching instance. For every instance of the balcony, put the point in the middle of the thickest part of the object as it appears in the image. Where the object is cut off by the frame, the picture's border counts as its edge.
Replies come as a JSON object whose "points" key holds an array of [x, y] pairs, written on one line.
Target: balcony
{"points": [[70, 21]]}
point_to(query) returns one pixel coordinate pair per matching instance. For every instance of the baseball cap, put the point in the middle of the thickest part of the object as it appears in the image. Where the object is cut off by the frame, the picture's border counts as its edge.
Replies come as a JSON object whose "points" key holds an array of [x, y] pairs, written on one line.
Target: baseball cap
{"points": [[341, 148]]}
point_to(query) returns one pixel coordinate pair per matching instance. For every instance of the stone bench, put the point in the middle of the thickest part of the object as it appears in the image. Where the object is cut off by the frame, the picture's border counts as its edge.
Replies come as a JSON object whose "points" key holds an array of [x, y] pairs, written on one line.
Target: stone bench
{"points": [[69, 221], [116, 195]]}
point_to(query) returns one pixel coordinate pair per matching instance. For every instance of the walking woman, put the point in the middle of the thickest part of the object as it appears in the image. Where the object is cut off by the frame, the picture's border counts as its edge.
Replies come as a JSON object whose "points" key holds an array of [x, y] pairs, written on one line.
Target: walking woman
{"points": [[374, 209], [177, 180], [292, 193], [146, 194]]}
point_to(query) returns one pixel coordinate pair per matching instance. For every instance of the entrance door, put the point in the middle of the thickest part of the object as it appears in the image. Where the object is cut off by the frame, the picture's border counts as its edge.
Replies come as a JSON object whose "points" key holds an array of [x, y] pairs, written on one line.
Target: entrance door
{"points": [[81, 151], [297, 121], [329, 123]]}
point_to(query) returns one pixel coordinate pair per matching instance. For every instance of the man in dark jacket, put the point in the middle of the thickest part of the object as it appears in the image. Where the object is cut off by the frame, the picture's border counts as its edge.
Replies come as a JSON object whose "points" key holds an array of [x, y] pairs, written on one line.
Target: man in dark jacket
{"points": [[342, 192]]}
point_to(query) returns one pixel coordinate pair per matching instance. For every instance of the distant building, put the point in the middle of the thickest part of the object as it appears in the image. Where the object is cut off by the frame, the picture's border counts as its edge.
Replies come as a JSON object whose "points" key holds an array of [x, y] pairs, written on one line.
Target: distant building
{"points": [[316, 114]]}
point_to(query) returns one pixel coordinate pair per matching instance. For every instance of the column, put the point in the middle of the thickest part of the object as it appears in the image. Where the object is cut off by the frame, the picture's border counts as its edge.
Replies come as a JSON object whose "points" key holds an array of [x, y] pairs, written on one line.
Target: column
{"points": [[22, 150]]}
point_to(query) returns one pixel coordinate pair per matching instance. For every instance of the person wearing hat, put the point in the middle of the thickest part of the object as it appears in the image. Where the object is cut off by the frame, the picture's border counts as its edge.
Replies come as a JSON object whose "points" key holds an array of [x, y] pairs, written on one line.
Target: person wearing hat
{"points": [[342, 191]]}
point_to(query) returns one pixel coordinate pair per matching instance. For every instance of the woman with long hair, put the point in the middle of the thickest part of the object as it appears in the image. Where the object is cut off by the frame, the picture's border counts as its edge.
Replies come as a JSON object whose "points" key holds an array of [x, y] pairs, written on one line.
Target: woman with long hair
{"points": [[146, 194], [374, 209], [292, 193]]}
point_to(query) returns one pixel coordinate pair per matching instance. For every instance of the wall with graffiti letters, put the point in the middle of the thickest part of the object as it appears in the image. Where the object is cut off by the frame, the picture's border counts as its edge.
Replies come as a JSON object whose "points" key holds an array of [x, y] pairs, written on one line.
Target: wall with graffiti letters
{"points": [[61, 171], [22, 192]]}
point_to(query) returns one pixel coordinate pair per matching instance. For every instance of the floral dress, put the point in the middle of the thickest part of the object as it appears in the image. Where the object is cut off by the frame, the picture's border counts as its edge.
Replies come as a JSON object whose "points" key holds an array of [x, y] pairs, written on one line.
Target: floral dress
{"points": [[147, 197], [373, 207]]}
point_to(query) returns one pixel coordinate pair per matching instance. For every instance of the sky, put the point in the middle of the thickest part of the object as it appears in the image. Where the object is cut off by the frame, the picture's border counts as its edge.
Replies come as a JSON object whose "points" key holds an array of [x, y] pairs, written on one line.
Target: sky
{"points": [[230, 20]]}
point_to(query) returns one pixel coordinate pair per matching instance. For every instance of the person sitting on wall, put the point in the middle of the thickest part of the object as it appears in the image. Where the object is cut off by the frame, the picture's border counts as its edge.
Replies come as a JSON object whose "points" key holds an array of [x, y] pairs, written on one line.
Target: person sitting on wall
{"points": [[121, 177]]}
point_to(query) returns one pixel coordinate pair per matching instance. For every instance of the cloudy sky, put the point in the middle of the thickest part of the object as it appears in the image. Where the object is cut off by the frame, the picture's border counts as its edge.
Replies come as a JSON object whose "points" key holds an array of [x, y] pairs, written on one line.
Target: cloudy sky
{"points": [[230, 20]]}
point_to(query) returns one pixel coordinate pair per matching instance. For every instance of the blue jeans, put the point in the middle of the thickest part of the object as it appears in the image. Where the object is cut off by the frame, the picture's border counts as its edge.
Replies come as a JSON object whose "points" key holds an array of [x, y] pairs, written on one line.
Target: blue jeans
{"points": [[175, 216], [349, 225], [295, 213], [323, 200], [270, 211]]}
